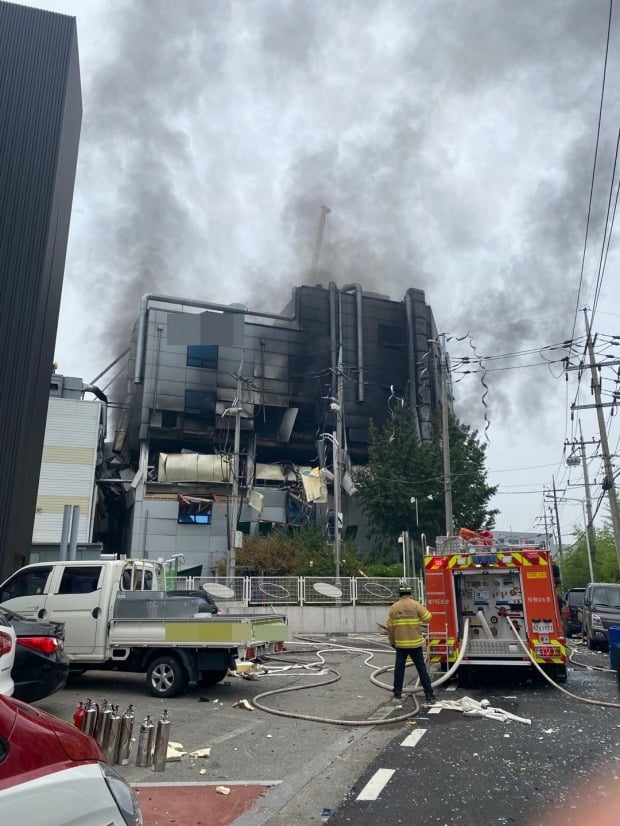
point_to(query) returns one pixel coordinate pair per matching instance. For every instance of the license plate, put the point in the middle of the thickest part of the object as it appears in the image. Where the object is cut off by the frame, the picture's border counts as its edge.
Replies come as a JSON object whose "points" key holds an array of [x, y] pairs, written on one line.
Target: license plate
{"points": [[542, 627]]}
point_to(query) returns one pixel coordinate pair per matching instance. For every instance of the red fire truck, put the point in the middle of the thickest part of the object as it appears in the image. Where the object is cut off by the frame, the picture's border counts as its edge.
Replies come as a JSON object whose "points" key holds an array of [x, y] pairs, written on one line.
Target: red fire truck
{"points": [[507, 595]]}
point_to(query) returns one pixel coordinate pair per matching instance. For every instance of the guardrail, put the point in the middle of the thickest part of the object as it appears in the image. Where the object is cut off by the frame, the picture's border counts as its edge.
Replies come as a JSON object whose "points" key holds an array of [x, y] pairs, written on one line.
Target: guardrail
{"points": [[293, 590]]}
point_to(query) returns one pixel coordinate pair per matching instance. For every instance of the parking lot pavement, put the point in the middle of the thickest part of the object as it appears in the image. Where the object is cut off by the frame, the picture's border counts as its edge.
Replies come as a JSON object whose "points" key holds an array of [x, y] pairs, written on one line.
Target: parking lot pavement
{"points": [[263, 758]]}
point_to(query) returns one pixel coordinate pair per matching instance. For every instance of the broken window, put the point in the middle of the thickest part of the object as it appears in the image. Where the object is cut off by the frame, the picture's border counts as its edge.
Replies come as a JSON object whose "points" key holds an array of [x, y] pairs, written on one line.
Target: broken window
{"points": [[194, 511]]}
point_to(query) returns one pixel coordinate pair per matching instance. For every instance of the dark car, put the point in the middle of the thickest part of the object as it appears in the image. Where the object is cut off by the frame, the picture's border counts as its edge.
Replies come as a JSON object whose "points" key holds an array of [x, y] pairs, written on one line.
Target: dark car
{"points": [[571, 611], [599, 612], [201, 601], [41, 666]]}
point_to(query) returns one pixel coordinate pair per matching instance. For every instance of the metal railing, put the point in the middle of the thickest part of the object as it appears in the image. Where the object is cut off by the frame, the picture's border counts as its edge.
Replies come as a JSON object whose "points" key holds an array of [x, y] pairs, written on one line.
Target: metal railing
{"points": [[293, 590]]}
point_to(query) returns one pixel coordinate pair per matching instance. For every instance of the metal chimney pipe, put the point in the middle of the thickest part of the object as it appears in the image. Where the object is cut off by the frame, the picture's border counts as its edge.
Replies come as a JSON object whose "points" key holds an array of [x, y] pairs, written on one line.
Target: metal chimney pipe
{"points": [[75, 524]]}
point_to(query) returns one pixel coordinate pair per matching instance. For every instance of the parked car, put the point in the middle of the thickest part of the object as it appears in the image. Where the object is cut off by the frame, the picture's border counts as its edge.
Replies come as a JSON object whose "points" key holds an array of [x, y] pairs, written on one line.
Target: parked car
{"points": [[7, 657], [573, 600], [204, 604], [41, 666], [52, 774], [600, 610]]}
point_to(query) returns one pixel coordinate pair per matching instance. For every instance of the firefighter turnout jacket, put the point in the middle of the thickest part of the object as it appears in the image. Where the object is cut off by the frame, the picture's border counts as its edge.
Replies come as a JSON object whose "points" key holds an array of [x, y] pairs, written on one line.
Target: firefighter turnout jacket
{"points": [[404, 623]]}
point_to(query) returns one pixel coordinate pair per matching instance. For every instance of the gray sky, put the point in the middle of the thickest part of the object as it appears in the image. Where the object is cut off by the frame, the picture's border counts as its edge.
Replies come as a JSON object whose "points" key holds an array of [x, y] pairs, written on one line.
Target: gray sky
{"points": [[453, 141]]}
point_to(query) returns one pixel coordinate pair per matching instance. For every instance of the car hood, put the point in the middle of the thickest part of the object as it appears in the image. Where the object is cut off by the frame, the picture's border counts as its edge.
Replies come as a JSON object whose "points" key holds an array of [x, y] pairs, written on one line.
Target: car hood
{"points": [[57, 742]]}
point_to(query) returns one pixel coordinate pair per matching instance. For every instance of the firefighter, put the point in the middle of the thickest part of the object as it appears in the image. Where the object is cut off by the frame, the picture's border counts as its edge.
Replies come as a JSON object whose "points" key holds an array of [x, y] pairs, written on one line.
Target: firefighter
{"points": [[403, 626]]}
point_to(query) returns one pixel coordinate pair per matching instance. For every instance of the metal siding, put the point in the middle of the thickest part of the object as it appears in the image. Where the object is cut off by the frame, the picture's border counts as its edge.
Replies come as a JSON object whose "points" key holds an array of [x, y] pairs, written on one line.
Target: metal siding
{"points": [[67, 474], [40, 116]]}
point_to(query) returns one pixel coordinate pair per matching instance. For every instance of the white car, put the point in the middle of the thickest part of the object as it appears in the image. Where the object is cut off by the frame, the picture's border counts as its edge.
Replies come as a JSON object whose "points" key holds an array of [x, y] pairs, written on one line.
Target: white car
{"points": [[7, 656]]}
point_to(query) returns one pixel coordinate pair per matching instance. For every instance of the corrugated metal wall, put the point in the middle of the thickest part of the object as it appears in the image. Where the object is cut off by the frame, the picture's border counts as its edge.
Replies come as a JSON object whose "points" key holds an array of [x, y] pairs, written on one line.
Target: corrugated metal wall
{"points": [[68, 468], [40, 118]]}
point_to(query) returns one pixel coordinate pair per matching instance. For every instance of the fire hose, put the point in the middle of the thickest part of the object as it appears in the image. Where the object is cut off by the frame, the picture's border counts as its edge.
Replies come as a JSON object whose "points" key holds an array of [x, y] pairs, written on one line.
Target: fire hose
{"points": [[257, 701], [548, 678]]}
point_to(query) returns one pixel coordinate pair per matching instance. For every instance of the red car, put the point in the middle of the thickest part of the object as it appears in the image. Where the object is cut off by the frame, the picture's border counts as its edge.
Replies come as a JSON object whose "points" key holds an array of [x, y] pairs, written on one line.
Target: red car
{"points": [[52, 774]]}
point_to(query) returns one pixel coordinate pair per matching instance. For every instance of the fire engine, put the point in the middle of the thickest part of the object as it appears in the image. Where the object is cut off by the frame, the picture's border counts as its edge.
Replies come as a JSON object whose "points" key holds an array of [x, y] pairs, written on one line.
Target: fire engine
{"points": [[493, 605]]}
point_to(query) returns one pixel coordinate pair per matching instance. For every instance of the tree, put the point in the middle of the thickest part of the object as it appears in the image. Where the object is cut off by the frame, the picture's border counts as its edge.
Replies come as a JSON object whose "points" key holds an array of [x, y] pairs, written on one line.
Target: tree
{"points": [[295, 552], [575, 567], [401, 469]]}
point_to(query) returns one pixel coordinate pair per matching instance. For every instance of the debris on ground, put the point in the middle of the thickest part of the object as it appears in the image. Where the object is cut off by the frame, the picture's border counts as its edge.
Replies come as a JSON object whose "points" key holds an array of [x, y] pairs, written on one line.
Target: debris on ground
{"points": [[243, 704], [474, 708], [221, 789]]}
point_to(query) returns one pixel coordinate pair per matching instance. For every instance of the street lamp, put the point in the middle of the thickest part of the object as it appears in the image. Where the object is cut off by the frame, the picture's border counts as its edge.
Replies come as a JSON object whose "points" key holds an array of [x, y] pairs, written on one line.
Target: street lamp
{"points": [[337, 497]]}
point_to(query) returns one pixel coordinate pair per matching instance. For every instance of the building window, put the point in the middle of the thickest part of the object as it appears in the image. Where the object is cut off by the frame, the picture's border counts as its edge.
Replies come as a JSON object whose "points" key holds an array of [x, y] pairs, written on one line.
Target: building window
{"points": [[168, 418], [202, 355], [193, 511], [199, 403]]}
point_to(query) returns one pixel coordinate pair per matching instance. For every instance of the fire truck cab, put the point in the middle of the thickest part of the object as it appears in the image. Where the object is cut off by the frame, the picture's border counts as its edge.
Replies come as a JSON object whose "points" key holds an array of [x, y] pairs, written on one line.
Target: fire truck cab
{"points": [[507, 592]]}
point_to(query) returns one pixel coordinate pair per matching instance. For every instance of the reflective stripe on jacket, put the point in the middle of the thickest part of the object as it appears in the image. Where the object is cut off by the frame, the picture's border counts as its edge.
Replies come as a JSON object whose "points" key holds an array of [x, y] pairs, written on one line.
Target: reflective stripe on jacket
{"points": [[404, 621]]}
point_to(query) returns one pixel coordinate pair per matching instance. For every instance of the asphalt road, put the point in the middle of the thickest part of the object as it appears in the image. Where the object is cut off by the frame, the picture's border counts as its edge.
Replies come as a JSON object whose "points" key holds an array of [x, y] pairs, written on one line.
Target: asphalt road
{"points": [[326, 763]]}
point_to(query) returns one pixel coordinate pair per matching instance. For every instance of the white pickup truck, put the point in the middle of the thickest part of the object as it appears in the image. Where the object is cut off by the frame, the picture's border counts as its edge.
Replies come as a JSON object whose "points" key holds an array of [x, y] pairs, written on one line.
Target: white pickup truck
{"points": [[118, 615]]}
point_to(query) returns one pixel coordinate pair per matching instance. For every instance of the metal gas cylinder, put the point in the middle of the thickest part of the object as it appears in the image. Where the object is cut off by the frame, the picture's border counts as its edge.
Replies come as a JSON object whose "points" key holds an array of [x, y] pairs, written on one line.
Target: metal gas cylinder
{"points": [[145, 742], [162, 736]]}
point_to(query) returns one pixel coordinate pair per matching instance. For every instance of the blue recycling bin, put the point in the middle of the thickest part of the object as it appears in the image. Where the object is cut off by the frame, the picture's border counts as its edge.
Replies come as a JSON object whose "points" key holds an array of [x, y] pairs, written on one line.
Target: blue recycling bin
{"points": [[614, 647]]}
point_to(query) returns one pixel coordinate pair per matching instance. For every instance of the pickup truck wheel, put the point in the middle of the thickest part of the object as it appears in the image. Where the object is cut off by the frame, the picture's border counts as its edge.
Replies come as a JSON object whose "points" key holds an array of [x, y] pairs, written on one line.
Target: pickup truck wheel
{"points": [[211, 676], [166, 677]]}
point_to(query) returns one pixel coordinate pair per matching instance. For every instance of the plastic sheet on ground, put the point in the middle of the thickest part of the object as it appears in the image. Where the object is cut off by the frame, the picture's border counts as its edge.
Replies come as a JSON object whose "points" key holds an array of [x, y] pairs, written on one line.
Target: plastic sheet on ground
{"points": [[475, 708]]}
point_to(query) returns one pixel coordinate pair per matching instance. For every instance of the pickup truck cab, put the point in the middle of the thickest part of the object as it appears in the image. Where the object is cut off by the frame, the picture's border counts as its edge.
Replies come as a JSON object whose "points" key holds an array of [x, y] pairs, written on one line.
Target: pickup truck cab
{"points": [[600, 611], [118, 615]]}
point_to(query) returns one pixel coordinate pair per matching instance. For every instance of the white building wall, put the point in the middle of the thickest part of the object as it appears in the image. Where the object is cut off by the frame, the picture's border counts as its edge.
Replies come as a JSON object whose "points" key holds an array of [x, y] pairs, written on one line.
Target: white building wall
{"points": [[67, 475]]}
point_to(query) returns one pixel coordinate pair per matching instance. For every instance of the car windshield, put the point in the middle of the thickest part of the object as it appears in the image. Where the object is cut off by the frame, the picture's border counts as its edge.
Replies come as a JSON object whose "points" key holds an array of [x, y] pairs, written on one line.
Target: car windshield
{"points": [[606, 596]]}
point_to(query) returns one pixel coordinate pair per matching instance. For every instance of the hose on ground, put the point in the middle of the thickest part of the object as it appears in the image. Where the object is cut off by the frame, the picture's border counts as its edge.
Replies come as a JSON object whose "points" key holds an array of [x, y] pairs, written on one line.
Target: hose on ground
{"points": [[548, 678]]}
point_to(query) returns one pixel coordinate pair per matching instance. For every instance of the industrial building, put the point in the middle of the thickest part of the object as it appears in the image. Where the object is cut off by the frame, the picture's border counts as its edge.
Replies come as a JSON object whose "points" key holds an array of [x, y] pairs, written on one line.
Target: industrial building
{"points": [[40, 120], [240, 421]]}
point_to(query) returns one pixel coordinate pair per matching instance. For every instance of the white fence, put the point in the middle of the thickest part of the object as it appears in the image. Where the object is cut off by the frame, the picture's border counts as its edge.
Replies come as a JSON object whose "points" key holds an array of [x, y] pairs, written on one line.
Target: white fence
{"points": [[293, 590]]}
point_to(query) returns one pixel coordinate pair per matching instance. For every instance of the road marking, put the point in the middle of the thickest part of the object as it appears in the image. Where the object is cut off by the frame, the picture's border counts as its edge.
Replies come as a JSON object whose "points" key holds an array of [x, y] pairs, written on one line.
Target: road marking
{"points": [[375, 785], [434, 710], [414, 738]]}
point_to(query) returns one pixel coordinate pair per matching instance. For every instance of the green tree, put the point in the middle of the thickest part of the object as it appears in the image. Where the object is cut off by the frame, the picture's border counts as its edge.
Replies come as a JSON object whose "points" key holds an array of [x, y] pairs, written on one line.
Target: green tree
{"points": [[575, 567], [401, 469], [295, 552]]}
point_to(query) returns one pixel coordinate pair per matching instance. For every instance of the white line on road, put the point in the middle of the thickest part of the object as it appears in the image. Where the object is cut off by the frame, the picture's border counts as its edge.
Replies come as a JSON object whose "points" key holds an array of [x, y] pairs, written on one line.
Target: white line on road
{"points": [[414, 738], [375, 785]]}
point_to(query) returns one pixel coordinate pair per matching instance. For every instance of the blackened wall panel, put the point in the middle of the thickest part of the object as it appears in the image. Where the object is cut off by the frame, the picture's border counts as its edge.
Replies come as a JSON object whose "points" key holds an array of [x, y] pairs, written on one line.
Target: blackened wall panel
{"points": [[40, 117]]}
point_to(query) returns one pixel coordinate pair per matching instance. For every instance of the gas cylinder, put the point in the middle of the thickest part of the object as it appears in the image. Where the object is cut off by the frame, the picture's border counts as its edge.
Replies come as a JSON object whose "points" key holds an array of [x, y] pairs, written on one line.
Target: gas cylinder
{"points": [[78, 716], [110, 745], [145, 742], [103, 723], [162, 735], [90, 717], [125, 739]]}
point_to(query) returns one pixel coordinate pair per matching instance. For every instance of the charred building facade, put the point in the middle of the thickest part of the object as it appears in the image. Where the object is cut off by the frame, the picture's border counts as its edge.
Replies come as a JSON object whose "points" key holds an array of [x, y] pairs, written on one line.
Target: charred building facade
{"points": [[231, 414], [40, 119]]}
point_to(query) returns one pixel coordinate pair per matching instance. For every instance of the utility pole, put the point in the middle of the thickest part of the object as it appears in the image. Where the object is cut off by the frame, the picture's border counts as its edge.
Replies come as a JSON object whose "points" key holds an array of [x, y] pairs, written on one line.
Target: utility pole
{"points": [[608, 482], [337, 451], [586, 480], [234, 499], [557, 522], [447, 477]]}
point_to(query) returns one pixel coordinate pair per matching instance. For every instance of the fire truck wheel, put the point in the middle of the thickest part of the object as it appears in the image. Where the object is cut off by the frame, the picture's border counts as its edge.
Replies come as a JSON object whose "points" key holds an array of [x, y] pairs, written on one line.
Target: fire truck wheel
{"points": [[212, 676], [166, 677], [560, 674]]}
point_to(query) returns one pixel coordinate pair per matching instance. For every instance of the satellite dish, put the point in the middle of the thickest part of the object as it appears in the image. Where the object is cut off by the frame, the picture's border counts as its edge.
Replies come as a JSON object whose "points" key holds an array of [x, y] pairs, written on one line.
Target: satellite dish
{"points": [[217, 589], [327, 590]]}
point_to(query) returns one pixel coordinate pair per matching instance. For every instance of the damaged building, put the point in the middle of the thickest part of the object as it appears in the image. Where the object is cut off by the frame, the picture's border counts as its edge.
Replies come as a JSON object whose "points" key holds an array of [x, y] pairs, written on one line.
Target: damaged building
{"points": [[238, 421]]}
